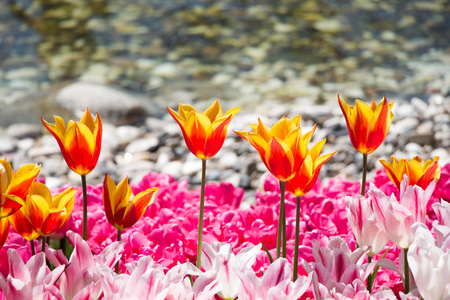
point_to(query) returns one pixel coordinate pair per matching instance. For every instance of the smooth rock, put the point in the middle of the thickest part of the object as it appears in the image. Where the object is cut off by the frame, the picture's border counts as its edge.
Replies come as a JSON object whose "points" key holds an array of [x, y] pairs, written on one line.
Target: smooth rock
{"points": [[22, 130], [7, 144], [143, 145], [112, 104]]}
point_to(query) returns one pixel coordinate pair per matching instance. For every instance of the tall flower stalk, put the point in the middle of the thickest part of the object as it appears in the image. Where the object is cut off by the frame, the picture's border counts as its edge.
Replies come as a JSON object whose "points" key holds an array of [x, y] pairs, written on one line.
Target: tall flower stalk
{"points": [[367, 127], [303, 181], [204, 134], [200, 218], [80, 146], [121, 208]]}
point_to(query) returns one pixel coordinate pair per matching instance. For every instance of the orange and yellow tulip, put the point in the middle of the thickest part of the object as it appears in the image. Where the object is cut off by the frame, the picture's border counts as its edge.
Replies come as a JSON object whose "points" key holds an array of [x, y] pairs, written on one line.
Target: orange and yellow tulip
{"points": [[282, 148], [4, 231], [419, 172], [80, 143], [306, 176], [48, 213], [23, 225], [367, 125], [14, 185], [122, 212], [204, 133]]}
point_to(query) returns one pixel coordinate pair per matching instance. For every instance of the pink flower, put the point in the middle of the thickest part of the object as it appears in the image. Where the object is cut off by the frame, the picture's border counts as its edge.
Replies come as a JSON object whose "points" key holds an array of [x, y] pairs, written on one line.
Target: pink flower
{"points": [[442, 190], [430, 264], [396, 217], [442, 224], [337, 266], [81, 277], [226, 266], [275, 284], [363, 224], [30, 280]]}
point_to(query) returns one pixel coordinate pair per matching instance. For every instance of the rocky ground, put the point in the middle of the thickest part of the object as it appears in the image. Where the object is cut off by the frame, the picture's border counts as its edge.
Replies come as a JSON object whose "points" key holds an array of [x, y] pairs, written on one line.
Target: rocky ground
{"points": [[129, 60], [420, 127]]}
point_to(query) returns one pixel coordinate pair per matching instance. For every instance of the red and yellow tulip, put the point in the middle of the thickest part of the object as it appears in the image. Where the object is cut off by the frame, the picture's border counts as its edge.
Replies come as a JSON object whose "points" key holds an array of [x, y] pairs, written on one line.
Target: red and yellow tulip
{"points": [[4, 231], [23, 225], [48, 213], [14, 185], [122, 212], [80, 143], [419, 172], [367, 125], [204, 133], [306, 176], [282, 148]]}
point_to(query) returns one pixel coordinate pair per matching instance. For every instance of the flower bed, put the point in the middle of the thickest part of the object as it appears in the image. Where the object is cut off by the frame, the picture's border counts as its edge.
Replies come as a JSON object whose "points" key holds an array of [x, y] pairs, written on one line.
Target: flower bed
{"points": [[167, 233]]}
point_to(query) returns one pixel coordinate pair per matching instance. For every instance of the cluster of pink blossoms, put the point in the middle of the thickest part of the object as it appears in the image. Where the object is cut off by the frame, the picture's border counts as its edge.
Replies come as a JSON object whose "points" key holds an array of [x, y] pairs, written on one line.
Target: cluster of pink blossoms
{"points": [[155, 254]]}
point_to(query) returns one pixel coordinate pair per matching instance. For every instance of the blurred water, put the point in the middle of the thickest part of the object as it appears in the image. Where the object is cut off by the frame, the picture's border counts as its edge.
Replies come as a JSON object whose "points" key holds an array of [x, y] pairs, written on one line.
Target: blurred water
{"points": [[54, 41]]}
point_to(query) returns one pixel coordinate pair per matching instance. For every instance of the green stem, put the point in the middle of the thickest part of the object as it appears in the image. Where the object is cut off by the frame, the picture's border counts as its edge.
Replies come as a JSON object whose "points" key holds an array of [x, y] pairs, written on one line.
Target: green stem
{"points": [[363, 182], [280, 219], [200, 218], [44, 240], [83, 183], [283, 206], [369, 279], [33, 251], [406, 283], [119, 235], [62, 244], [297, 238]]}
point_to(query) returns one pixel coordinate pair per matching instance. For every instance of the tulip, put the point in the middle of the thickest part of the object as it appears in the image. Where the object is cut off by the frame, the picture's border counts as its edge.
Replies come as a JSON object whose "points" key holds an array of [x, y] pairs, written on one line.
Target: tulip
{"points": [[430, 264], [367, 125], [302, 182], [419, 172], [23, 225], [361, 219], [48, 213], [397, 217], [80, 145], [4, 231], [121, 211], [306, 176], [365, 228], [15, 186], [30, 280], [227, 267], [204, 133], [283, 149]]}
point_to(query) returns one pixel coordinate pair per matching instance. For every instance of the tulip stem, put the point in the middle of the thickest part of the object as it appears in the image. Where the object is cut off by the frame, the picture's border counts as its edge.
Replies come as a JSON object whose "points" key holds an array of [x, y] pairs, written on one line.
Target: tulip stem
{"points": [[406, 283], [33, 251], [83, 183], [44, 240], [119, 235], [363, 182], [281, 231], [297, 238], [200, 218], [369, 278]]}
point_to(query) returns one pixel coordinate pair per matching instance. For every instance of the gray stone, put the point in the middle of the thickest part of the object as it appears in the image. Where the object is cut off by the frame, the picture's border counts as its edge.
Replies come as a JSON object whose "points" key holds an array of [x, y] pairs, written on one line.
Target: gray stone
{"points": [[166, 70], [7, 144], [191, 167], [228, 160], [112, 104], [143, 145], [22, 130], [173, 168]]}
